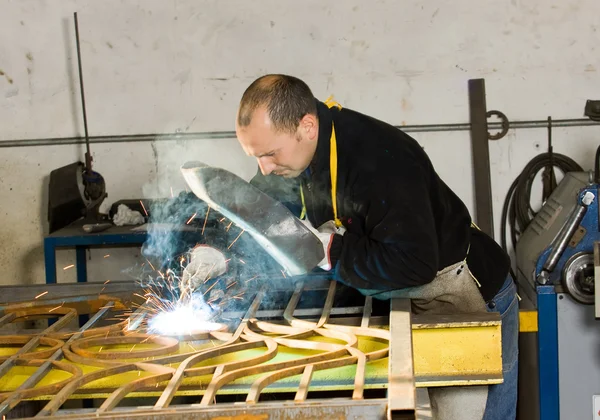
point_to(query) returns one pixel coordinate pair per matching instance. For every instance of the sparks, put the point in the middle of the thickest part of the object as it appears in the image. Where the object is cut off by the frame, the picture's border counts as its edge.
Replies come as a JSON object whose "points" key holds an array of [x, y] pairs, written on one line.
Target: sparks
{"points": [[68, 266], [106, 281], [283, 272], [242, 261], [228, 226], [107, 255], [205, 219], [41, 294], [191, 218], [208, 290], [185, 318], [235, 240], [144, 207], [172, 192], [59, 306]]}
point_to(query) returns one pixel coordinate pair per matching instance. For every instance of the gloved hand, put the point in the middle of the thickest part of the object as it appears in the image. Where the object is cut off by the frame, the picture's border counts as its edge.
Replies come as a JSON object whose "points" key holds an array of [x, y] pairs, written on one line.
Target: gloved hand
{"points": [[325, 233], [205, 262]]}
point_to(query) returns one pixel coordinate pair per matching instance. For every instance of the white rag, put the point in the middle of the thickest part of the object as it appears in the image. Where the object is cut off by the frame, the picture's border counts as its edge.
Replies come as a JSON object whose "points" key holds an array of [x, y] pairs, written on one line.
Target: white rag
{"points": [[126, 216]]}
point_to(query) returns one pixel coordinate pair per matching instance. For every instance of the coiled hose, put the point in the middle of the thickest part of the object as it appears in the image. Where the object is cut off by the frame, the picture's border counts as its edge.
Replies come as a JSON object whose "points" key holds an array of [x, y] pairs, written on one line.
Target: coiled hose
{"points": [[517, 205]]}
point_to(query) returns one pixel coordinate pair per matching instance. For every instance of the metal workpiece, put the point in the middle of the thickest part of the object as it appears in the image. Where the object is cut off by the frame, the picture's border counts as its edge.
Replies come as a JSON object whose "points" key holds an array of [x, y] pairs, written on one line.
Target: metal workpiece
{"points": [[25, 296], [293, 351], [52, 362], [282, 235]]}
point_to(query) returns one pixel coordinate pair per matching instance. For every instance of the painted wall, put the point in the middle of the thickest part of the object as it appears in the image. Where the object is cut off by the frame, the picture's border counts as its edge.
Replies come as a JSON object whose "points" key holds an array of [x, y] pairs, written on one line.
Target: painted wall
{"points": [[166, 66]]}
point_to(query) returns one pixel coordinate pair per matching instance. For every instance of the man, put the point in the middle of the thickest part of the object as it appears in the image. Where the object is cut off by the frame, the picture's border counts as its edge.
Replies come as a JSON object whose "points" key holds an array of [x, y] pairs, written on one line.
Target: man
{"points": [[389, 225]]}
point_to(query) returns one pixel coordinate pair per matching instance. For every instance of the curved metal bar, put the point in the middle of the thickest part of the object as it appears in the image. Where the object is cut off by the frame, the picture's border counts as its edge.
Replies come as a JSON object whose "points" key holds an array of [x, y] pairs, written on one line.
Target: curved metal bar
{"points": [[30, 353], [185, 369], [167, 345], [117, 396], [51, 389], [64, 394], [266, 380], [218, 382]]}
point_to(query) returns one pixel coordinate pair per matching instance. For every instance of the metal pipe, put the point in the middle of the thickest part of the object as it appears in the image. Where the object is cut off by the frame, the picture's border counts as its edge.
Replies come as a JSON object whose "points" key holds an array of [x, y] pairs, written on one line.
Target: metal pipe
{"points": [[215, 135]]}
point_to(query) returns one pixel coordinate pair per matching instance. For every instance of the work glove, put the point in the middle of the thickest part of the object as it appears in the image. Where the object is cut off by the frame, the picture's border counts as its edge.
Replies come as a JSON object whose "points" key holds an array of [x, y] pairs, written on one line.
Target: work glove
{"points": [[205, 262], [325, 233]]}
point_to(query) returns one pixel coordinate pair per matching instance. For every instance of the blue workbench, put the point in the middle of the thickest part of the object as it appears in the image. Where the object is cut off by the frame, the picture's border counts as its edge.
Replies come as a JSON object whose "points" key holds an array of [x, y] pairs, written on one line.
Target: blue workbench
{"points": [[73, 236]]}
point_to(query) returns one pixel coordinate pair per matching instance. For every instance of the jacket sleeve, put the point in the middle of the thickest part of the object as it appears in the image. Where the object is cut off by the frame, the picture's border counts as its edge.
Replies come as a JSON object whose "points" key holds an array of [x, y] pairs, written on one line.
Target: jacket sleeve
{"points": [[397, 245], [286, 191]]}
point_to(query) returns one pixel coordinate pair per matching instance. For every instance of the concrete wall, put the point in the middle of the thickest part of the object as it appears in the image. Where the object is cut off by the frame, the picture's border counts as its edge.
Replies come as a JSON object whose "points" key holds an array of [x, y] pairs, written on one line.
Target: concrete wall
{"points": [[158, 66]]}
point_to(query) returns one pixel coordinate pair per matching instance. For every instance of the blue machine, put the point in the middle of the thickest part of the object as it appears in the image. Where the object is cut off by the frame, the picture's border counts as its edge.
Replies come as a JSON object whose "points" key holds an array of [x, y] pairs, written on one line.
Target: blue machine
{"points": [[560, 365]]}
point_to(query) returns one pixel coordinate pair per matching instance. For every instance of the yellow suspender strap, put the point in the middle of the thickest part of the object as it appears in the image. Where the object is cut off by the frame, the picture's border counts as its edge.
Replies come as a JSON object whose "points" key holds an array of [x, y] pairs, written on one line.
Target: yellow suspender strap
{"points": [[332, 168], [303, 214], [333, 162]]}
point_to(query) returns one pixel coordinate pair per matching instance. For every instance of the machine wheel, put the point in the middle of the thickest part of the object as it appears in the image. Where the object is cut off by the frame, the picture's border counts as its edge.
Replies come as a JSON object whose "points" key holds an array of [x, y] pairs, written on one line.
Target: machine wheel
{"points": [[578, 277]]}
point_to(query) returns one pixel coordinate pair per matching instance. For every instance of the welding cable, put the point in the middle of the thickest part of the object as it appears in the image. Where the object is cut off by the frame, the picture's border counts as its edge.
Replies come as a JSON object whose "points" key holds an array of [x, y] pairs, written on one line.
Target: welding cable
{"points": [[517, 211]]}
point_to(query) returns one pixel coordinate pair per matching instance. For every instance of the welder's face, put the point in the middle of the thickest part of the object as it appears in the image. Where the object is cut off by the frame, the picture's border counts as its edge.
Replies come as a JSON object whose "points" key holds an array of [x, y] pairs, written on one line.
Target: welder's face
{"points": [[278, 153]]}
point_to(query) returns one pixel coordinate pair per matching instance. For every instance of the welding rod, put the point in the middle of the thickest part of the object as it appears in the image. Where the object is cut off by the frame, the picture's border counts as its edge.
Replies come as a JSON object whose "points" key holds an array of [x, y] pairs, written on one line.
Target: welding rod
{"points": [[33, 380]]}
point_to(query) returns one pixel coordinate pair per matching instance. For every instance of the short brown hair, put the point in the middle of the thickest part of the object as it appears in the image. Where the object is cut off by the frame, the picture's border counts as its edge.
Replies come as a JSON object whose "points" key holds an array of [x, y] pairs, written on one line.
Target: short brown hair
{"points": [[287, 98]]}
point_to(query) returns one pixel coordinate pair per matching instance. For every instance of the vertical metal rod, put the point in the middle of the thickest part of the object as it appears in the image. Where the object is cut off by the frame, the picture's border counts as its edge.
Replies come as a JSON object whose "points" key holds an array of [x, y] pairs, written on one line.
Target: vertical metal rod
{"points": [[288, 314], [249, 313], [366, 319], [88, 156], [401, 380], [328, 305], [481, 156]]}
